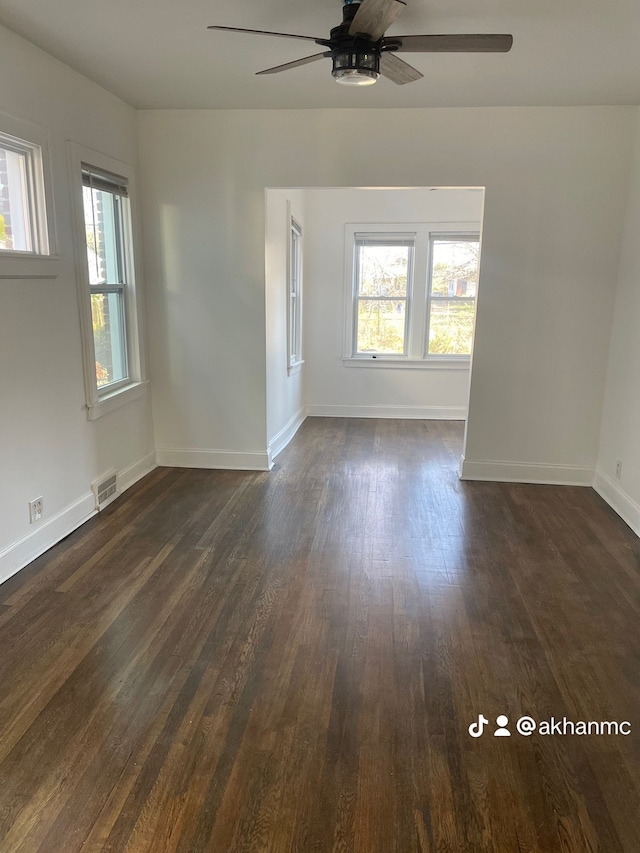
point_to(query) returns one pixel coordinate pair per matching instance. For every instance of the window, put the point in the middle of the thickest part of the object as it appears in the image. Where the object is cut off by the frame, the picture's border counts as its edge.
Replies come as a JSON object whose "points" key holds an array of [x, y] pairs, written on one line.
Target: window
{"points": [[105, 203], [382, 270], [22, 216], [27, 233], [410, 294], [453, 284], [294, 313], [106, 279]]}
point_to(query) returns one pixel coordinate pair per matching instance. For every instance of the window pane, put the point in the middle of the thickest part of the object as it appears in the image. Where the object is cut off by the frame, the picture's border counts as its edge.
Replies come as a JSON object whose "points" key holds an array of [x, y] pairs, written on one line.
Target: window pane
{"points": [[295, 249], [103, 229], [295, 296], [382, 270], [451, 327], [15, 222], [454, 271], [293, 341], [381, 325], [109, 339]]}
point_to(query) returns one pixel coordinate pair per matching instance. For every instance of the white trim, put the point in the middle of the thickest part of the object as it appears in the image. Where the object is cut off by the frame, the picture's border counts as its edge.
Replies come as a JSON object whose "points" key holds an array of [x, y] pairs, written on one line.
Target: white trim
{"points": [[27, 549], [134, 304], [281, 439], [232, 460], [526, 472], [119, 398], [622, 503], [427, 413], [49, 533], [381, 362], [25, 266], [132, 473]]}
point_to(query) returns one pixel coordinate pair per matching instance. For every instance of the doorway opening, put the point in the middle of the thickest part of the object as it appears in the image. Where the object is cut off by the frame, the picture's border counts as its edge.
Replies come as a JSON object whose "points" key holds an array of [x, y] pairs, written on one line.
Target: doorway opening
{"points": [[378, 288]]}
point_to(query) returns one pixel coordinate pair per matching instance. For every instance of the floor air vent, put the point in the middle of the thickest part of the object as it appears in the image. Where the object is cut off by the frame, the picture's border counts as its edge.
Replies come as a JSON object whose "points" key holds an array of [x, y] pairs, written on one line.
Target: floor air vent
{"points": [[105, 489]]}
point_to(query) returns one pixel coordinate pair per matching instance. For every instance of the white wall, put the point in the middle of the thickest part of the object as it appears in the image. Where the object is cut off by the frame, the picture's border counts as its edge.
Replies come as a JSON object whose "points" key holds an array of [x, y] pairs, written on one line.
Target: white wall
{"points": [[47, 446], [555, 183], [285, 392], [204, 218], [620, 436], [333, 388]]}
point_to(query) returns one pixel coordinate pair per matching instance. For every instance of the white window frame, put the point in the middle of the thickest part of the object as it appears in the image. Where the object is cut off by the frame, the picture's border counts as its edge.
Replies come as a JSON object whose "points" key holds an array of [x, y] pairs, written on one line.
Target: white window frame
{"points": [[416, 342], [452, 236], [100, 401], [382, 238], [42, 260], [294, 291]]}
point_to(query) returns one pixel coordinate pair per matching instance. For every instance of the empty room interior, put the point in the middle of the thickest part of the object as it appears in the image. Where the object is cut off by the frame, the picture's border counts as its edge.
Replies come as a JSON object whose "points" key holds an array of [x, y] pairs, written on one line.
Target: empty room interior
{"points": [[319, 427]]}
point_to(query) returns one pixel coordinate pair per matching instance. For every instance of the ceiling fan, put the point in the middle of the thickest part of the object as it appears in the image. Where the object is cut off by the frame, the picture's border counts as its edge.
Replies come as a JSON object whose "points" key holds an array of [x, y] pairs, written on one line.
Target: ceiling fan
{"points": [[361, 52]]}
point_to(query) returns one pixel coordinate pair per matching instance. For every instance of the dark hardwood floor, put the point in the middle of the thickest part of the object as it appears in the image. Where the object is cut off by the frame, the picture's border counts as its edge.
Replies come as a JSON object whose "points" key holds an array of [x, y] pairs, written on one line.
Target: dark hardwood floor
{"points": [[290, 662]]}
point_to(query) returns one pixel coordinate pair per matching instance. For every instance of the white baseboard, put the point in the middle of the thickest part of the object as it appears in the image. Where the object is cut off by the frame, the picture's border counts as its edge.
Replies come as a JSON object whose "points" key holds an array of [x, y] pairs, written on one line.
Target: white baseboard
{"points": [[231, 460], [526, 472], [47, 534], [428, 413], [618, 500], [281, 439], [130, 475], [50, 532]]}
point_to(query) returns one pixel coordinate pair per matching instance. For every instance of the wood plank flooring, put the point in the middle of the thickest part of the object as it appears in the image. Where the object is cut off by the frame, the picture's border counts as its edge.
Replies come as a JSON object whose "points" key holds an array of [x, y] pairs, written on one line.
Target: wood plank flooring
{"points": [[290, 662]]}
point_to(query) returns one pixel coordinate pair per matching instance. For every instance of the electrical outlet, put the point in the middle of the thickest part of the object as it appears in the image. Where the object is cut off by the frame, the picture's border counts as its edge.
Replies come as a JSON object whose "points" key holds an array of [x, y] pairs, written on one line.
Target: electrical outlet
{"points": [[618, 469], [36, 510]]}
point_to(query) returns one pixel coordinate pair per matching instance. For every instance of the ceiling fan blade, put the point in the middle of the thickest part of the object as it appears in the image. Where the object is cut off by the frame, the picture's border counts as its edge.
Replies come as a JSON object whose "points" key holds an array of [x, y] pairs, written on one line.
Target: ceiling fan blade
{"points": [[374, 17], [484, 43], [397, 69], [277, 68], [265, 33]]}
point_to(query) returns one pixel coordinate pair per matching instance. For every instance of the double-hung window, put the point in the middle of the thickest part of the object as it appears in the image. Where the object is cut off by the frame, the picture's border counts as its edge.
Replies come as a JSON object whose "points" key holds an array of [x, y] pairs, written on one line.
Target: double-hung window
{"points": [[453, 284], [383, 269], [105, 203], [294, 315], [411, 294], [103, 191]]}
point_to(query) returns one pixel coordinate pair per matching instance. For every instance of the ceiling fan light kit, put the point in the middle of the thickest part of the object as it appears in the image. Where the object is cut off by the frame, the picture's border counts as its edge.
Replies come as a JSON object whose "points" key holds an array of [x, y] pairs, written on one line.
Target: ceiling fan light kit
{"points": [[356, 74], [361, 52]]}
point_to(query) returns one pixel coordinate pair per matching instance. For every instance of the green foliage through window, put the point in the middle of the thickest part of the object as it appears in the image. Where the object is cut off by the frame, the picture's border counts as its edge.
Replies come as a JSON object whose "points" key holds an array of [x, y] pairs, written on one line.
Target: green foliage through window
{"points": [[453, 288], [383, 271]]}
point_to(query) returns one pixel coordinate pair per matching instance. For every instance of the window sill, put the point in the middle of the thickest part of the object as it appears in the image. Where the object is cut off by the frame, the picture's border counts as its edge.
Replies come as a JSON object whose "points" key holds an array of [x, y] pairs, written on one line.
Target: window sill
{"points": [[296, 367], [120, 397], [380, 362], [24, 265]]}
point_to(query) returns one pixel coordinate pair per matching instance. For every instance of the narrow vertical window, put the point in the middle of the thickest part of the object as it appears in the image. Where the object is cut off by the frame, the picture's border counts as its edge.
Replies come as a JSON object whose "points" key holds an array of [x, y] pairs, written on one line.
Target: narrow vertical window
{"points": [[453, 284], [108, 287], [105, 203], [382, 293], [295, 295]]}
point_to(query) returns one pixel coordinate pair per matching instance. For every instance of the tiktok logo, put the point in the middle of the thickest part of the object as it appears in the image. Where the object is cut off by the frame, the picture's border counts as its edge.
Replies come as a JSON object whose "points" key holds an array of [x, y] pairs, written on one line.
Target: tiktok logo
{"points": [[476, 729]]}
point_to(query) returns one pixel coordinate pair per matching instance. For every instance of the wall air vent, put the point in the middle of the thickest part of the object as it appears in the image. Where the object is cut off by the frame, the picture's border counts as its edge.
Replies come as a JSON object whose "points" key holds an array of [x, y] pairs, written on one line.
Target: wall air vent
{"points": [[105, 489]]}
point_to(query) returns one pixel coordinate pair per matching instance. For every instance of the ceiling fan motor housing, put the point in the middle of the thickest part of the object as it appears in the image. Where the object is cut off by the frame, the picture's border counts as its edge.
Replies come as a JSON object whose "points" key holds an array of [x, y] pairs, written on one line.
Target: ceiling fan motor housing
{"points": [[355, 59]]}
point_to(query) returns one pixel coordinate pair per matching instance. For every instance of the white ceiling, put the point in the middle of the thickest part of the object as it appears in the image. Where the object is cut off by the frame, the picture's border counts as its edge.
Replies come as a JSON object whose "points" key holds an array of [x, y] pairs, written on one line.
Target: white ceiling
{"points": [[159, 53]]}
